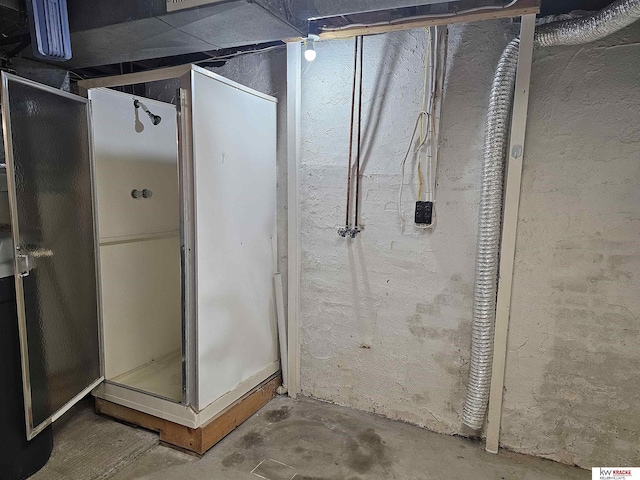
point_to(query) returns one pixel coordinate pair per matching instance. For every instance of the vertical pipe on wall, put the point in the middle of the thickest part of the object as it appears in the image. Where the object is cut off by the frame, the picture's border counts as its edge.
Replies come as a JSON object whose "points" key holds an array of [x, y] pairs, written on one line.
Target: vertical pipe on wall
{"points": [[294, 99], [357, 212], [509, 225], [353, 106]]}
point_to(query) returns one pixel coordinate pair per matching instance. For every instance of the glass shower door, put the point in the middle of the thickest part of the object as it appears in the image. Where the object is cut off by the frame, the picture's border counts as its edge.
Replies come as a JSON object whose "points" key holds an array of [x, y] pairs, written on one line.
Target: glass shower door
{"points": [[49, 172]]}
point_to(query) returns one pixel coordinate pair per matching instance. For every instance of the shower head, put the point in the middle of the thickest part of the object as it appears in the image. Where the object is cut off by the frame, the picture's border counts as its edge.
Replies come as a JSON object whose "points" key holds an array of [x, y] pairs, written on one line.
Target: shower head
{"points": [[155, 119]]}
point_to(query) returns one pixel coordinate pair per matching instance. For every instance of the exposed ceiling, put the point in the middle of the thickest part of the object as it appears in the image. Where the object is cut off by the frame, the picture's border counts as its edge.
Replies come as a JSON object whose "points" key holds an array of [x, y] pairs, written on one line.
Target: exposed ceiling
{"points": [[125, 31], [141, 34], [139, 30]]}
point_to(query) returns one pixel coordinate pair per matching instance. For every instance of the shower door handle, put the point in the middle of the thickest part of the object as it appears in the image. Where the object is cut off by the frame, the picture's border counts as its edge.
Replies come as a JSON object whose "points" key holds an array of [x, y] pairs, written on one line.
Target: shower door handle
{"points": [[24, 260], [23, 265]]}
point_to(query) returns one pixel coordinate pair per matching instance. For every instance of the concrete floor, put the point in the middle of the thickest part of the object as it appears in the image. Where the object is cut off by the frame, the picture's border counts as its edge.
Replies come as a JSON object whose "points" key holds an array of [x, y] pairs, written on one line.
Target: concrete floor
{"points": [[305, 439]]}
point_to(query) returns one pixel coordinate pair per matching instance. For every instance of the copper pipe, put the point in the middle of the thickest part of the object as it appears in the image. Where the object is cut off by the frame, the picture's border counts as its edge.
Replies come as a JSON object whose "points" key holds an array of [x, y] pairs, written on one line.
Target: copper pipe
{"points": [[359, 137], [353, 106]]}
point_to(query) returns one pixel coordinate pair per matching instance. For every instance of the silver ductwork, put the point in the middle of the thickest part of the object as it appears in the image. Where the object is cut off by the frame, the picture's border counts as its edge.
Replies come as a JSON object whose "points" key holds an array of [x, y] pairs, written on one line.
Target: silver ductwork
{"points": [[489, 231], [581, 30], [591, 27]]}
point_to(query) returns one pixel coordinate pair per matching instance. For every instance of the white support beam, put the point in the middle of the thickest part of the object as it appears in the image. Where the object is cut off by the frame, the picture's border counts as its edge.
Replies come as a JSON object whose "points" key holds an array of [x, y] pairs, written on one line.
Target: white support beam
{"points": [[135, 78], [509, 226], [294, 99]]}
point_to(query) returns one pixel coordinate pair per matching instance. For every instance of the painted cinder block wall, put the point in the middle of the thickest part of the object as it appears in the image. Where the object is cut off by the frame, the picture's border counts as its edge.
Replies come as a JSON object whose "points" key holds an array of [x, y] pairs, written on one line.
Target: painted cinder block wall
{"points": [[572, 380], [385, 318]]}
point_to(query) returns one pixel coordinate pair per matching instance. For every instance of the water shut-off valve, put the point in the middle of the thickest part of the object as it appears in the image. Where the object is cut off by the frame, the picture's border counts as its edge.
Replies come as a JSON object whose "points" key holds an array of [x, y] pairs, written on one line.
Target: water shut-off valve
{"points": [[348, 231]]}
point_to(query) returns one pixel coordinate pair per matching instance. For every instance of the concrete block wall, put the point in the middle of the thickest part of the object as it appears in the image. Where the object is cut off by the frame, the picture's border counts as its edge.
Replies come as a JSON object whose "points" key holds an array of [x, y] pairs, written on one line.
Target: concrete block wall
{"points": [[385, 318], [572, 381]]}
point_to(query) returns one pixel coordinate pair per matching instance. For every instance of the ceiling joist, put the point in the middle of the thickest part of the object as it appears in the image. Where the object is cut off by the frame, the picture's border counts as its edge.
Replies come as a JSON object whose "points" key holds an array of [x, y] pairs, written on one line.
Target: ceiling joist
{"points": [[522, 7]]}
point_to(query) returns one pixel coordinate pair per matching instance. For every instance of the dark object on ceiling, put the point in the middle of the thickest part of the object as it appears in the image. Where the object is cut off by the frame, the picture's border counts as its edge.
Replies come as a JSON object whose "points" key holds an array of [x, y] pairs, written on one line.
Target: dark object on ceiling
{"points": [[10, 16], [49, 24]]}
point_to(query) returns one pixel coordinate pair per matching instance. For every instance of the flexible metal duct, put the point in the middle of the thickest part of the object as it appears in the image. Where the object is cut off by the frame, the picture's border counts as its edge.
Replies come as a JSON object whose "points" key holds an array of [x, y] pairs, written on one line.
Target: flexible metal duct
{"points": [[591, 27], [572, 32], [488, 246]]}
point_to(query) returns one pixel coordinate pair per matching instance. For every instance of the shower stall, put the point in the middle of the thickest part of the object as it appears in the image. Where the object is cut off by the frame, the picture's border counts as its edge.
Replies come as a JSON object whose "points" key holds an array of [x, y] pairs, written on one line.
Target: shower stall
{"points": [[145, 237], [138, 213]]}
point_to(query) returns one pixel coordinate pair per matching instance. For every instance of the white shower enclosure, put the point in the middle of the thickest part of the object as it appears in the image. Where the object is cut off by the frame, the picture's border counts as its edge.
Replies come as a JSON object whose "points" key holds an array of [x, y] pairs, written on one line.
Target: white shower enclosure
{"points": [[145, 247]]}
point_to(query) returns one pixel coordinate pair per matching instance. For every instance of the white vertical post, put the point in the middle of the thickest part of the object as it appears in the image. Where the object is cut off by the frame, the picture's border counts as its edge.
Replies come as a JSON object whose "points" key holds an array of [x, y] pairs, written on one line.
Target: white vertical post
{"points": [[509, 226], [294, 98]]}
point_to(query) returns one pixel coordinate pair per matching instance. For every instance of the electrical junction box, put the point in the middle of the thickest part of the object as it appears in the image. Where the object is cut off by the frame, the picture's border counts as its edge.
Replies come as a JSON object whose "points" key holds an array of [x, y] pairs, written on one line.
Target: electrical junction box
{"points": [[424, 213]]}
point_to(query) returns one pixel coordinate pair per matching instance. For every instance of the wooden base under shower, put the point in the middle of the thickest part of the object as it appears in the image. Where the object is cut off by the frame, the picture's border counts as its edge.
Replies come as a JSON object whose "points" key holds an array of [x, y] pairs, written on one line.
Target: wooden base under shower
{"points": [[197, 440]]}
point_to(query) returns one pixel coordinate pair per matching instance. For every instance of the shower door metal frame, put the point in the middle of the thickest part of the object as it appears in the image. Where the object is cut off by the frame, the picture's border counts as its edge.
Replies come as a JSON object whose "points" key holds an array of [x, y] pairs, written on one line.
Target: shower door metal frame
{"points": [[31, 429], [187, 236]]}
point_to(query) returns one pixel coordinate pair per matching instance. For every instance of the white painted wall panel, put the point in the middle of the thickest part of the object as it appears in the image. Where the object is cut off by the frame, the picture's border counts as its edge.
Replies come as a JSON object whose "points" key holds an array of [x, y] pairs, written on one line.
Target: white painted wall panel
{"points": [[134, 154], [140, 280], [235, 170], [267, 73], [140, 303]]}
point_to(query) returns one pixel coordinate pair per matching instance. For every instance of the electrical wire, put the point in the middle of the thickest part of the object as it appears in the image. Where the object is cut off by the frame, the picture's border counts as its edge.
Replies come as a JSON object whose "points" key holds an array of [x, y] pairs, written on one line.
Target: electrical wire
{"points": [[77, 75], [213, 58], [424, 98], [429, 116], [404, 162], [431, 107], [439, 75]]}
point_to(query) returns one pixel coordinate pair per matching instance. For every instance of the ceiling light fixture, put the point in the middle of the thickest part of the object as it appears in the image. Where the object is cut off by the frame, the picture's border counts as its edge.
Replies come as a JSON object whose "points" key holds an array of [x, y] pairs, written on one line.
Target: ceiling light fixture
{"points": [[310, 52]]}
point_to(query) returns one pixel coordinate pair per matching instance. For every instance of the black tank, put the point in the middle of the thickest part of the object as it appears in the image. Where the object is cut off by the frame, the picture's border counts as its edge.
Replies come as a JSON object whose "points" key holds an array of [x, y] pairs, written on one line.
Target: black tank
{"points": [[18, 458]]}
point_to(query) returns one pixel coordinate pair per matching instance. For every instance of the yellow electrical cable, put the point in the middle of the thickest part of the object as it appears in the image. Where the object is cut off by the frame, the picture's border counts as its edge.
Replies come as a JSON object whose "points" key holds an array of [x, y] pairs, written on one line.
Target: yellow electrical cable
{"points": [[424, 96]]}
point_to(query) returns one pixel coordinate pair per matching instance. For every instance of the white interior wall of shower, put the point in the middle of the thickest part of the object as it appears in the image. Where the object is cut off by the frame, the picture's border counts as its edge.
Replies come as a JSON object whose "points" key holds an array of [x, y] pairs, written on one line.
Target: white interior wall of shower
{"points": [[139, 242]]}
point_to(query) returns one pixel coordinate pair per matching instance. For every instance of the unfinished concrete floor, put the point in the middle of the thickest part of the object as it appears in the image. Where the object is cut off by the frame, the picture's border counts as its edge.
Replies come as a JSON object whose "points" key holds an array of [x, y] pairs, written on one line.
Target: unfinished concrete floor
{"points": [[305, 439]]}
